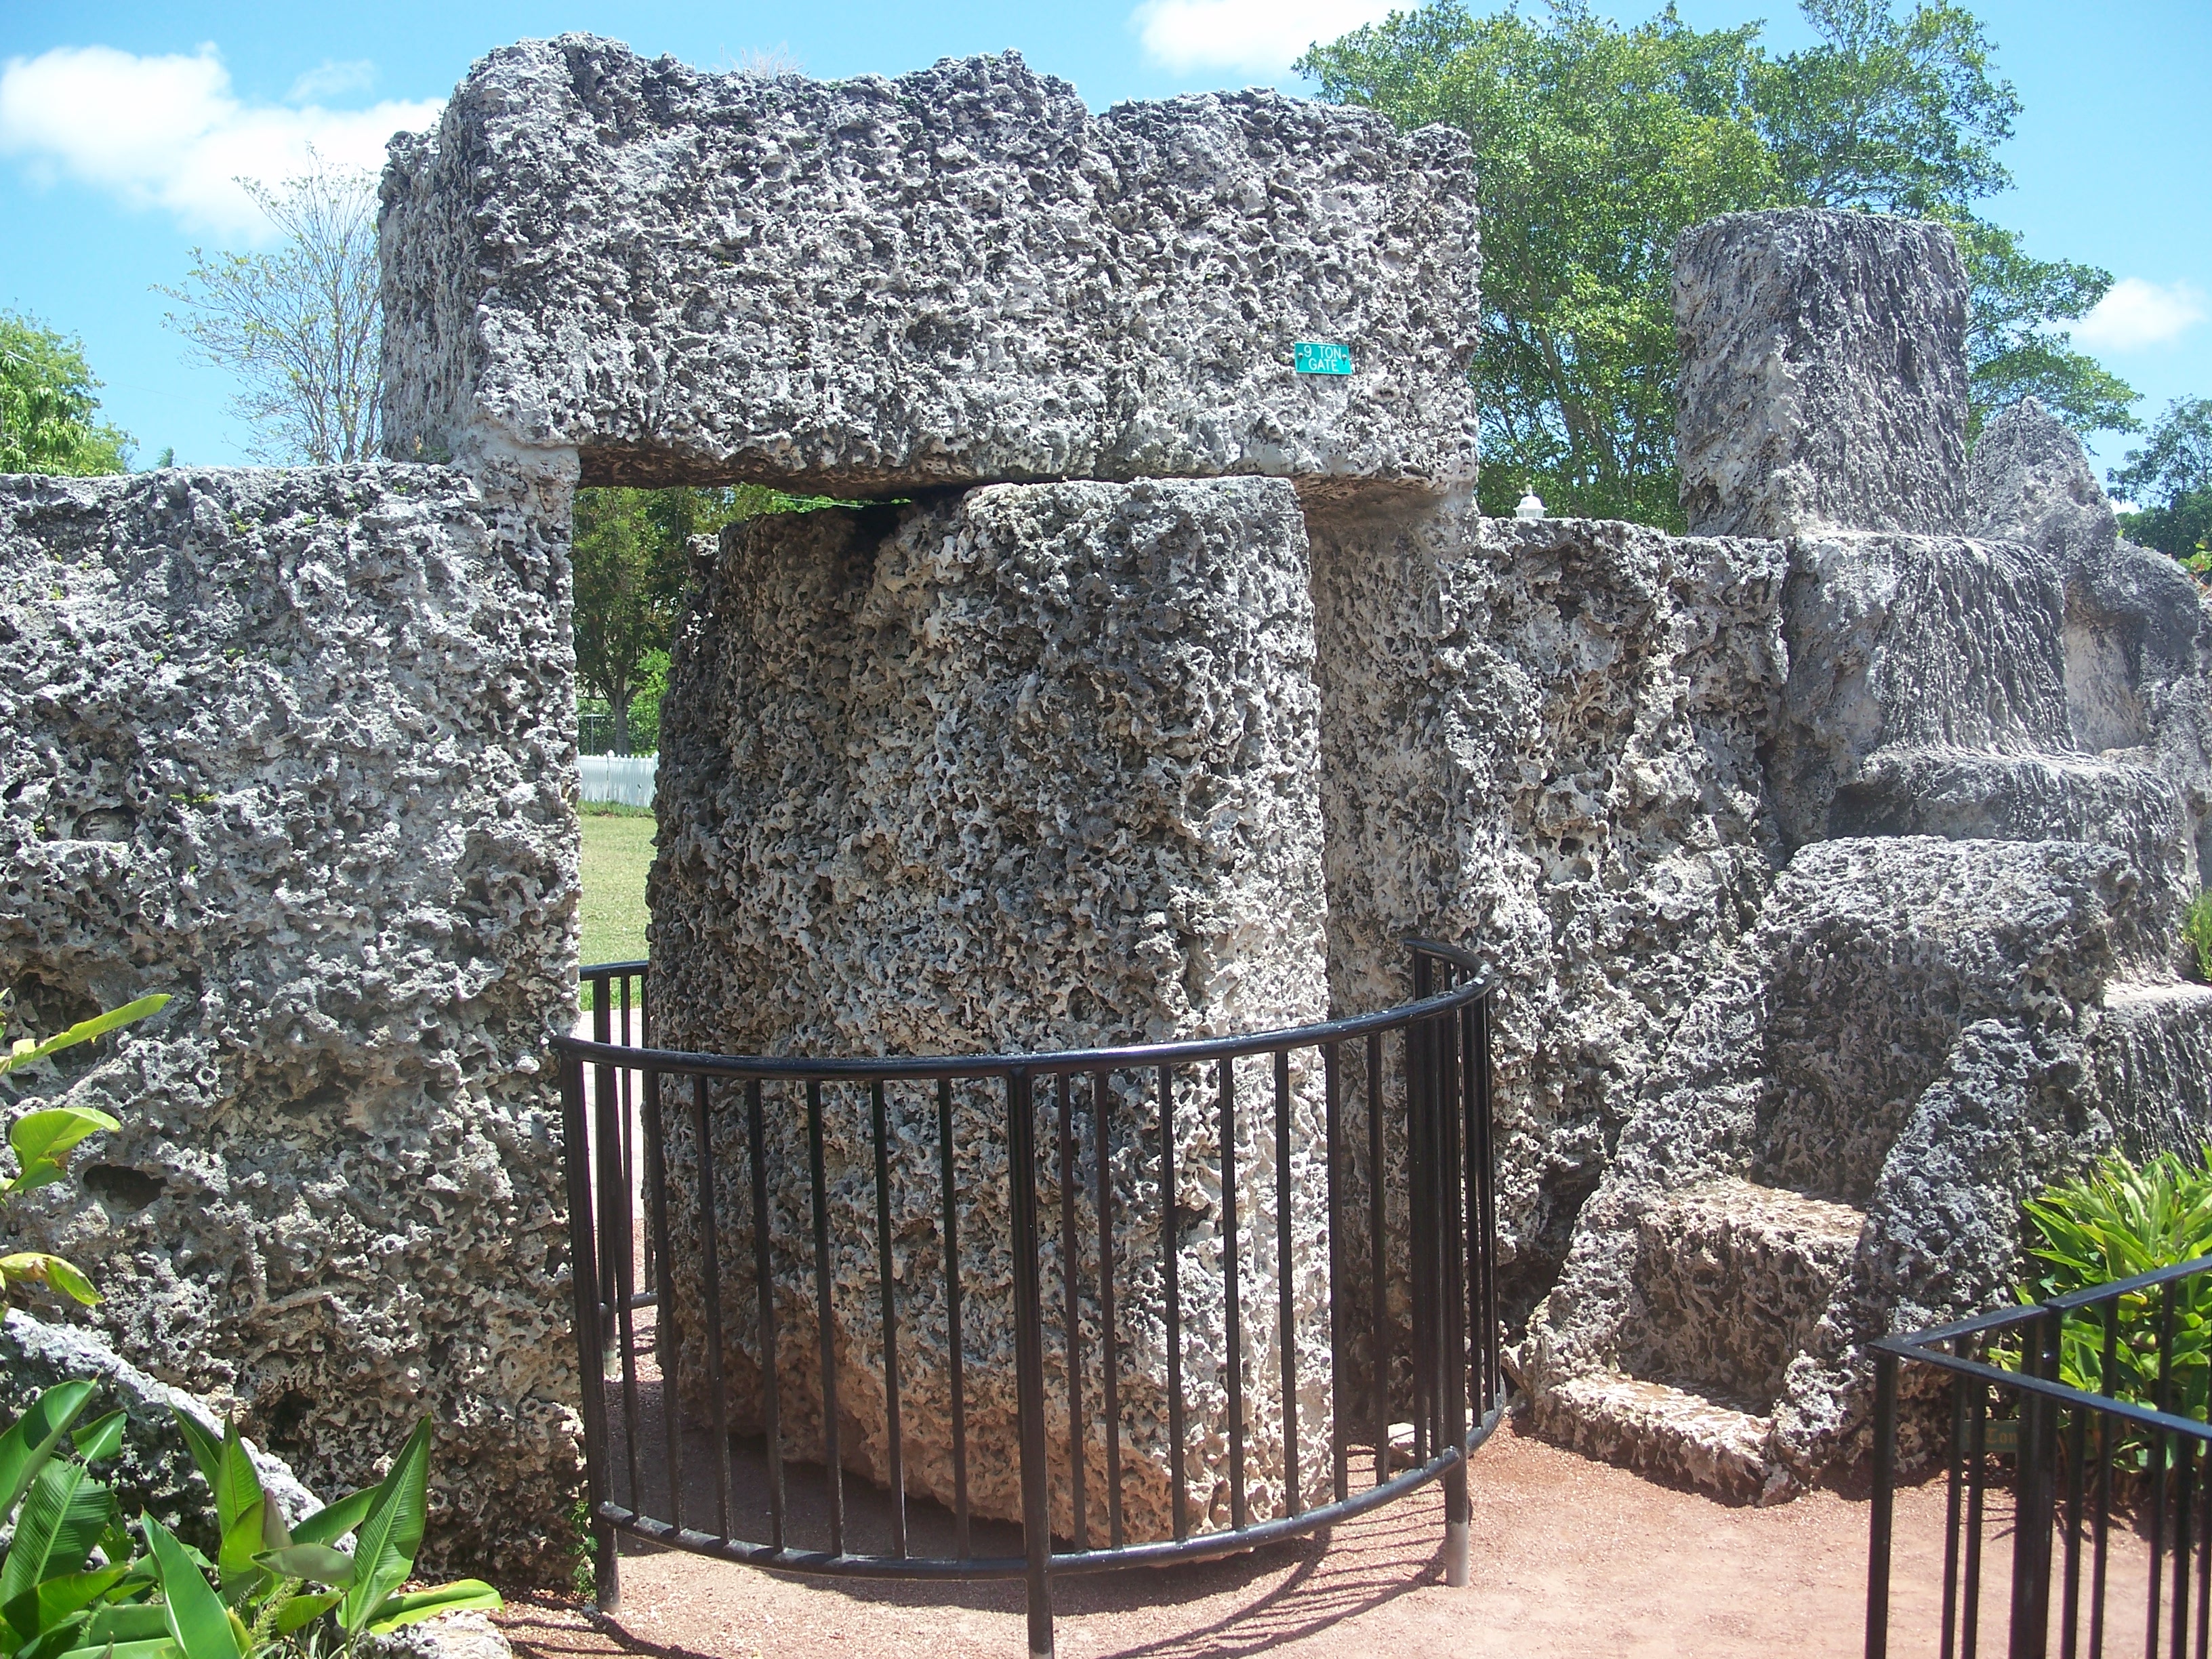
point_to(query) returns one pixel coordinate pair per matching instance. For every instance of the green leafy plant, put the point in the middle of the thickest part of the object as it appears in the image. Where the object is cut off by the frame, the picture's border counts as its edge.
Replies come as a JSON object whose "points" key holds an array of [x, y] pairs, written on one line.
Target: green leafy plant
{"points": [[43, 1139], [2120, 1220], [2197, 925], [74, 1586]]}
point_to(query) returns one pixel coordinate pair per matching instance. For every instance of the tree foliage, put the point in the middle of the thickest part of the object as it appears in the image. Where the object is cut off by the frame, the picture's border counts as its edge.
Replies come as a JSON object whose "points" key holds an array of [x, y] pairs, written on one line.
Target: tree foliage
{"points": [[299, 326], [49, 411], [2170, 479], [1596, 146], [630, 551]]}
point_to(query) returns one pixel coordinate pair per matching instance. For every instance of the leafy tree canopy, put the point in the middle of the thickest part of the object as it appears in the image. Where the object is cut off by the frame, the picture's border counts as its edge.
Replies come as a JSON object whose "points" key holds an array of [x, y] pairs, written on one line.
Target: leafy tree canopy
{"points": [[1596, 146], [630, 549], [2170, 477], [48, 409]]}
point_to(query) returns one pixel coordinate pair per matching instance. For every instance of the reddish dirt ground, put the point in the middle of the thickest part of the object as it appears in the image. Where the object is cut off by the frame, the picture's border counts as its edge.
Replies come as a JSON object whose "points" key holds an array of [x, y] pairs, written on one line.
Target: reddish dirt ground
{"points": [[1571, 1557]]}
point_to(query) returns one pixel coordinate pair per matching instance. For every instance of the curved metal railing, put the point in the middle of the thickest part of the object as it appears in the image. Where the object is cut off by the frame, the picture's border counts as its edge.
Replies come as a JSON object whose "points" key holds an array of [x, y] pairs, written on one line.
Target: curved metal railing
{"points": [[1405, 1091]]}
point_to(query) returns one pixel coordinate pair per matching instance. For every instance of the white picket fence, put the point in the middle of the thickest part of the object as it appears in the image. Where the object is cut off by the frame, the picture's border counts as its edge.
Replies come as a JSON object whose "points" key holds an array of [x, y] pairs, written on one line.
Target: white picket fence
{"points": [[624, 778]]}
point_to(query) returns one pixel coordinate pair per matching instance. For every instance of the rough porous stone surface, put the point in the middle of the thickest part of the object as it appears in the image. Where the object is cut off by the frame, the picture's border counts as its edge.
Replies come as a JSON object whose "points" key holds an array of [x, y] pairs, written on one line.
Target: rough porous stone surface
{"points": [[1667, 1433], [1823, 380], [296, 747], [958, 276], [1030, 767], [155, 1471], [1542, 740], [1733, 1277], [1915, 644], [2137, 635], [1908, 1030]]}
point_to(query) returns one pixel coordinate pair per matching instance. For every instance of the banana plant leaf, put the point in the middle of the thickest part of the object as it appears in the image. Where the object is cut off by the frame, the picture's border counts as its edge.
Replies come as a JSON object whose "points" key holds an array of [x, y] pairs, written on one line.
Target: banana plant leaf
{"points": [[31, 1439]]}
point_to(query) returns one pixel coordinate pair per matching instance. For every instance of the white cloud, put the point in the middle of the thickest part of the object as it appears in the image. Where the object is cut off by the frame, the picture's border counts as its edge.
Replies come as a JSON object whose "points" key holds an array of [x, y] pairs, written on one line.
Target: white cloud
{"points": [[1265, 36], [169, 131], [2135, 313], [330, 79]]}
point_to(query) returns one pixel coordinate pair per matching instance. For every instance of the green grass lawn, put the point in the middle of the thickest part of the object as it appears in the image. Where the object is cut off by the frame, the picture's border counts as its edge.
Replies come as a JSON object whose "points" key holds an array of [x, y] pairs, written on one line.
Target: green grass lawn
{"points": [[617, 851]]}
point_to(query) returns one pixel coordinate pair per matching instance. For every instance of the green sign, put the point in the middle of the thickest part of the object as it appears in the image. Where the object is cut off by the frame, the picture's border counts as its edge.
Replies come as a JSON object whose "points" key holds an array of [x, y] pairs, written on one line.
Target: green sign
{"points": [[1321, 357]]}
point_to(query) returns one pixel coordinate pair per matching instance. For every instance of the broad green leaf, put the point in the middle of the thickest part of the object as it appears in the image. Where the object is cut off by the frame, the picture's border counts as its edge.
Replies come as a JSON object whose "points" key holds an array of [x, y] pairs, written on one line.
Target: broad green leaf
{"points": [[385, 1541], [418, 1604], [134, 1621], [237, 1486], [42, 1264], [303, 1610], [318, 1563], [85, 1030], [198, 1622], [156, 1648], [241, 1542], [205, 1447], [34, 1436], [48, 1604], [63, 1516], [43, 1138], [329, 1524], [98, 1442]]}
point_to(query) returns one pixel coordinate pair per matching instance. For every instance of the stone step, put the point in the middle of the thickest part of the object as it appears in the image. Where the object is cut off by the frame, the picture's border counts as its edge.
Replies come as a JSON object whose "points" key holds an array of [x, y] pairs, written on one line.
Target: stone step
{"points": [[1661, 1432], [1733, 1278], [2152, 1056]]}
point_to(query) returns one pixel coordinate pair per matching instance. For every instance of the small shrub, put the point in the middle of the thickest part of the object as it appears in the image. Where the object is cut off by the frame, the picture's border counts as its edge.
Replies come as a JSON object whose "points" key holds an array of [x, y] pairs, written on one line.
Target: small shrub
{"points": [[2120, 1220], [2196, 928]]}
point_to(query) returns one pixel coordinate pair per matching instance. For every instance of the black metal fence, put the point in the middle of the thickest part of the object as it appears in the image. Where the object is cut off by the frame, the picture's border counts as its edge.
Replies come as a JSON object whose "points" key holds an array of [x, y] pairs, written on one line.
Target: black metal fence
{"points": [[2078, 1503], [661, 1241]]}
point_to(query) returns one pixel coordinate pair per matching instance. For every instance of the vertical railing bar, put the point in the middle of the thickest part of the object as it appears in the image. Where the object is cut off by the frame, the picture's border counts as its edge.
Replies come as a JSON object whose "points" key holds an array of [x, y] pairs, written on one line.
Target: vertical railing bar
{"points": [[2203, 1457], [710, 1272], [645, 1041], [1072, 1314], [954, 1340], [1449, 1231], [591, 1361], [825, 1319], [1951, 1513], [664, 1345], [2158, 1475], [606, 1132], [1110, 1356], [1286, 1286], [2077, 1436], [1420, 1215], [1171, 1276], [615, 1198], [894, 1439], [1485, 1085], [1879, 1530], [1339, 1370], [1232, 1297], [1029, 1358], [2183, 1502], [2104, 1487], [1978, 1475], [1377, 1220], [765, 1298]]}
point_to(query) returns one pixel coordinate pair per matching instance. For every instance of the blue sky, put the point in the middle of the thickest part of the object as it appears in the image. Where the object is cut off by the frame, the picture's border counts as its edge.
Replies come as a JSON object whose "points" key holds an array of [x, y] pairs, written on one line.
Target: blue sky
{"points": [[121, 123]]}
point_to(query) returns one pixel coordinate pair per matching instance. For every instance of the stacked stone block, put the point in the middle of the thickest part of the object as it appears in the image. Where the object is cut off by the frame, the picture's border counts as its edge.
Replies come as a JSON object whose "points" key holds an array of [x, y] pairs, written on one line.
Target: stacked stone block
{"points": [[296, 747]]}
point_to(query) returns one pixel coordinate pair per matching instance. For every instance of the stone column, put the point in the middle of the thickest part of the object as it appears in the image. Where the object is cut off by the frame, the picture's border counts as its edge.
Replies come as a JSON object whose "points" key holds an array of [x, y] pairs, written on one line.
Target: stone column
{"points": [[1823, 383], [1033, 768]]}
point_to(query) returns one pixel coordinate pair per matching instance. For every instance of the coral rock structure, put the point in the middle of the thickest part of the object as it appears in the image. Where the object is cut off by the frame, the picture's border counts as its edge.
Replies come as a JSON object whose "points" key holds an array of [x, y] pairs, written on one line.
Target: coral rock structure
{"points": [[1986, 776], [1831, 854], [297, 748]]}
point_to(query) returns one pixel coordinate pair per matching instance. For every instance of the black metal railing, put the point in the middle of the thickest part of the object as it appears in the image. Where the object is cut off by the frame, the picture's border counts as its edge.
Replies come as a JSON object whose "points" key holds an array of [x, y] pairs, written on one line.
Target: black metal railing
{"points": [[2076, 1519], [655, 1140]]}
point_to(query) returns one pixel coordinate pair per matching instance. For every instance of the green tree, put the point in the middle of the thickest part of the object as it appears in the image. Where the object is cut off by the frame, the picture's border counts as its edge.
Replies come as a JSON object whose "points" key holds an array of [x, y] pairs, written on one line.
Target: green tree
{"points": [[629, 549], [2170, 479], [48, 409], [1596, 146], [300, 326], [2015, 348]]}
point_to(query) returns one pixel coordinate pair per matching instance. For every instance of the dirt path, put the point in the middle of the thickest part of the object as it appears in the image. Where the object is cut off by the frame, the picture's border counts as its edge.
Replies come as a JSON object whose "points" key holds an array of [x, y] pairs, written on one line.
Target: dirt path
{"points": [[1571, 1557]]}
